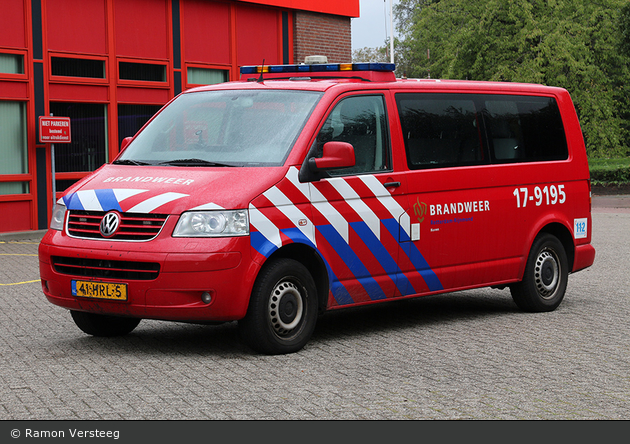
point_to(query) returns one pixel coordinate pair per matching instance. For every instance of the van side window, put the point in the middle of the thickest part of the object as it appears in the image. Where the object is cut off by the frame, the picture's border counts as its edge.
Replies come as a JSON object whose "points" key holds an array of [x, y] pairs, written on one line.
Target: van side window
{"points": [[360, 121], [440, 130], [504, 128], [444, 130], [524, 129]]}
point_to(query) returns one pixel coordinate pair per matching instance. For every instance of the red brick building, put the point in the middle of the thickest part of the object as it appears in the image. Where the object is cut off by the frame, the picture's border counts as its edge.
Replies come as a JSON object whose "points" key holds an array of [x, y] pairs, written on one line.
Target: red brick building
{"points": [[109, 65]]}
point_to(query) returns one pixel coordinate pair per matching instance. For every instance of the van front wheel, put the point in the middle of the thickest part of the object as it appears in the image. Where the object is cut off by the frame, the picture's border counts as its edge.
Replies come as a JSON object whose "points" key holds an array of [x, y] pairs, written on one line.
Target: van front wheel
{"points": [[282, 309], [545, 279]]}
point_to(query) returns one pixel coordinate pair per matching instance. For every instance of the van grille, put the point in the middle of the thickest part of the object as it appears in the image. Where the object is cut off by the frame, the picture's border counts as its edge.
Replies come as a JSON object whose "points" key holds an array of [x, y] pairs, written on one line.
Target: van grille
{"points": [[99, 268], [133, 226]]}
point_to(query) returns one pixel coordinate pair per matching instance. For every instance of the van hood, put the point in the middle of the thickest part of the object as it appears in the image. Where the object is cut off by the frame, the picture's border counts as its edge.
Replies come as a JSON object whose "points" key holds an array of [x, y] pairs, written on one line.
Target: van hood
{"points": [[170, 190]]}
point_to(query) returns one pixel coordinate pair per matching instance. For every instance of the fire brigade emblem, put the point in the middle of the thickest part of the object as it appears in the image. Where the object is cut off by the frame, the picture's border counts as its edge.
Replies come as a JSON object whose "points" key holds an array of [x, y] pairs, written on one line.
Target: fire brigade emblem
{"points": [[420, 209]]}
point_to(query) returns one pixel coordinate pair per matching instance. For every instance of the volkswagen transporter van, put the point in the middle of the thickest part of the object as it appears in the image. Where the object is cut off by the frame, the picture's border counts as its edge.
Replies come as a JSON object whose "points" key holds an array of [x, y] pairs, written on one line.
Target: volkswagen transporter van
{"points": [[306, 188]]}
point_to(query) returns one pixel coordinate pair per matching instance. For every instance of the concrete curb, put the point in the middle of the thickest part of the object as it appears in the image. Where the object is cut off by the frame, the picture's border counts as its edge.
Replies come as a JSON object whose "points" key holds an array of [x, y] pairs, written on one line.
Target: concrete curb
{"points": [[611, 201], [22, 235]]}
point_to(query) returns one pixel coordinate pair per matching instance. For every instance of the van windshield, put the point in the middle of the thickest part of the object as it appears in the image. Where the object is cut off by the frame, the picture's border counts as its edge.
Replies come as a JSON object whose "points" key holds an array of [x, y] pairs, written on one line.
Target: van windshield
{"points": [[223, 128]]}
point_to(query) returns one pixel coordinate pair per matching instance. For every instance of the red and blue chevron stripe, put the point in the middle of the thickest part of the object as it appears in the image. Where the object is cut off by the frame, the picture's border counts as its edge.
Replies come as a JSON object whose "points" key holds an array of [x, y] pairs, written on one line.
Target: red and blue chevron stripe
{"points": [[119, 199], [359, 229]]}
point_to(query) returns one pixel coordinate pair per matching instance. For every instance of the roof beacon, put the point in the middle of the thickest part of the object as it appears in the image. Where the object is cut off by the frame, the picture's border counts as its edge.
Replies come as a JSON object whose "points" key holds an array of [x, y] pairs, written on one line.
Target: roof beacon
{"points": [[315, 59]]}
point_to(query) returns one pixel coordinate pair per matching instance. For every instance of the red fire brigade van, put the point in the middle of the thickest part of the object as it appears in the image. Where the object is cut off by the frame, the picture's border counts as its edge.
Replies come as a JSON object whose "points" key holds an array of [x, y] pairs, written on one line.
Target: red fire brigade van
{"points": [[306, 188]]}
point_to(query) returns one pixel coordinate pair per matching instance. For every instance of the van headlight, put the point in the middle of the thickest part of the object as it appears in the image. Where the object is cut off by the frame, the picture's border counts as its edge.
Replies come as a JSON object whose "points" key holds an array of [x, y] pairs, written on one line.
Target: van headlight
{"points": [[58, 217], [215, 223]]}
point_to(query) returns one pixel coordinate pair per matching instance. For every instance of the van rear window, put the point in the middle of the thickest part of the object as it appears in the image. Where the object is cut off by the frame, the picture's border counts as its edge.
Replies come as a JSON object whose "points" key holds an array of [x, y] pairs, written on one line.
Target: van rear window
{"points": [[444, 130]]}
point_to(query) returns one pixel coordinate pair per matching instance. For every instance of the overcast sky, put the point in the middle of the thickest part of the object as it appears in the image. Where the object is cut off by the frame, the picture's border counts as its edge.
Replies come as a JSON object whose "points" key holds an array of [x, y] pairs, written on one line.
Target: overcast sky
{"points": [[371, 29]]}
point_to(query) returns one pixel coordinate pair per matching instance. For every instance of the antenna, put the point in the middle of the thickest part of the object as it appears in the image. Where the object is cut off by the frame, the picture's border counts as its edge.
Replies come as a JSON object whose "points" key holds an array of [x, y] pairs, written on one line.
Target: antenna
{"points": [[391, 24], [262, 68]]}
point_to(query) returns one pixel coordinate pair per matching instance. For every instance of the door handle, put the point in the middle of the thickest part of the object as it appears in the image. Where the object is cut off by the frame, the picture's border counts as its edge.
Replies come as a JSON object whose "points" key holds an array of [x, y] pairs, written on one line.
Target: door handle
{"points": [[391, 184]]}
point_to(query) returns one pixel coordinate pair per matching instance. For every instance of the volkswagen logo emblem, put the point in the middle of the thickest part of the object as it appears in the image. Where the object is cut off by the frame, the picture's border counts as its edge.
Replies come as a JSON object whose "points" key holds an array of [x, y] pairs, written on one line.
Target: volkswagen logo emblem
{"points": [[110, 223]]}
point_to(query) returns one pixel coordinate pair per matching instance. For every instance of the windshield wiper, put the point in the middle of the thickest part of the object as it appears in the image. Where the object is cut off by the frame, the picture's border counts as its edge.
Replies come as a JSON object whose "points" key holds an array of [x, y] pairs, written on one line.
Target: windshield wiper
{"points": [[129, 162], [193, 162]]}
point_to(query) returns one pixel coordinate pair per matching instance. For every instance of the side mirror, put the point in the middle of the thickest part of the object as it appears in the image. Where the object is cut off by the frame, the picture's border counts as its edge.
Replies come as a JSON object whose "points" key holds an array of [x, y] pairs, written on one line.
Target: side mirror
{"points": [[125, 142], [336, 155]]}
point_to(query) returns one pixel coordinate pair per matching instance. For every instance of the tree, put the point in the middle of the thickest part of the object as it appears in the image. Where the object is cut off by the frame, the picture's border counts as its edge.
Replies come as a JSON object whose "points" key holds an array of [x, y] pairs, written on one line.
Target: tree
{"points": [[381, 54], [572, 44], [624, 27], [624, 89], [370, 55]]}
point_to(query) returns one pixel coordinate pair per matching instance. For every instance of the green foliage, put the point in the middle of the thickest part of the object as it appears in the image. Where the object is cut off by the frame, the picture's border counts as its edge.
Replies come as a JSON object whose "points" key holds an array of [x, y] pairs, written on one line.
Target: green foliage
{"points": [[381, 54], [610, 171], [624, 27], [372, 55], [579, 45]]}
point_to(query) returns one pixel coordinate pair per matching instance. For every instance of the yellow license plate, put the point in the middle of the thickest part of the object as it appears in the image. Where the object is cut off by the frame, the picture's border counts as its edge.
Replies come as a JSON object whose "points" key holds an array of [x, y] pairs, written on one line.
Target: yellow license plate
{"points": [[100, 290]]}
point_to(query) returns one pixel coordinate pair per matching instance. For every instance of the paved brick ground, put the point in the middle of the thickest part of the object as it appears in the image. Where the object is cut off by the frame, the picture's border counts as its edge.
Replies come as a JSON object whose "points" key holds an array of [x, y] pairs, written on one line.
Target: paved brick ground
{"points": [[468, 355]]}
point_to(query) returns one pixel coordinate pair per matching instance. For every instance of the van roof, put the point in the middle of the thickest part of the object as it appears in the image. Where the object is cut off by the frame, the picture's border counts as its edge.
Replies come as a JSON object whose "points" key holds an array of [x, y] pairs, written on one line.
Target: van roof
{"points": [[321, 77]]}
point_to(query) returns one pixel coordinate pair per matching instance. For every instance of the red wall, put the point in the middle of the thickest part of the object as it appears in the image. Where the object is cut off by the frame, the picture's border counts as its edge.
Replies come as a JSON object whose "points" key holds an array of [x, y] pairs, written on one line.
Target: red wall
{"points": [[76, 26], [230, 34], [18, 212], [143, 28], [258, 35], [348, 8], [215, 34], [206, 31], [20, 216], [12, 24]]}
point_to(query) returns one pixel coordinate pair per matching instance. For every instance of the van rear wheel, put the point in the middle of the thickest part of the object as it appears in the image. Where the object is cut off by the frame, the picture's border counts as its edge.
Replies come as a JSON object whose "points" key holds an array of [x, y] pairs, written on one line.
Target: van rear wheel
{"points": [[103, 325], [282, 309], [545, 279]]}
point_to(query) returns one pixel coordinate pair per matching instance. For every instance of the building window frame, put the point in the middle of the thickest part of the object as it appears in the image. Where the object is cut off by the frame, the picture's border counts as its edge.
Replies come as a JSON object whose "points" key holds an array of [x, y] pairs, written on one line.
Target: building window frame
{"points": [[165, 84], [121, 134], [77, 79], [72, 175], [25, 177], [24, 75], [216, 67]]}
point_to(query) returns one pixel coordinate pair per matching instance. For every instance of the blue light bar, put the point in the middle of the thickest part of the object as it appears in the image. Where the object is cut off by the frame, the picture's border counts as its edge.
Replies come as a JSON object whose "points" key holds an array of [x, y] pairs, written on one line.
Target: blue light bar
{"points": [[326, 67], [374, 66], [282, 68], [248, 70]]}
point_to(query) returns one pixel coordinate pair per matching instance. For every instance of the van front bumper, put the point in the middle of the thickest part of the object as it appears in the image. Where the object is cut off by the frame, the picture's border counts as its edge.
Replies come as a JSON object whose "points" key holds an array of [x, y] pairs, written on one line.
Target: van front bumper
{"points": [[174, 294]]}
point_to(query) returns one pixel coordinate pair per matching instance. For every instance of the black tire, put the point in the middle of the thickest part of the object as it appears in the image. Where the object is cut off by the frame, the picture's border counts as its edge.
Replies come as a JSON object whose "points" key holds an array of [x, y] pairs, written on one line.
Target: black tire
{"points": [[282, 309], [546, 273], [103, 325]]}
